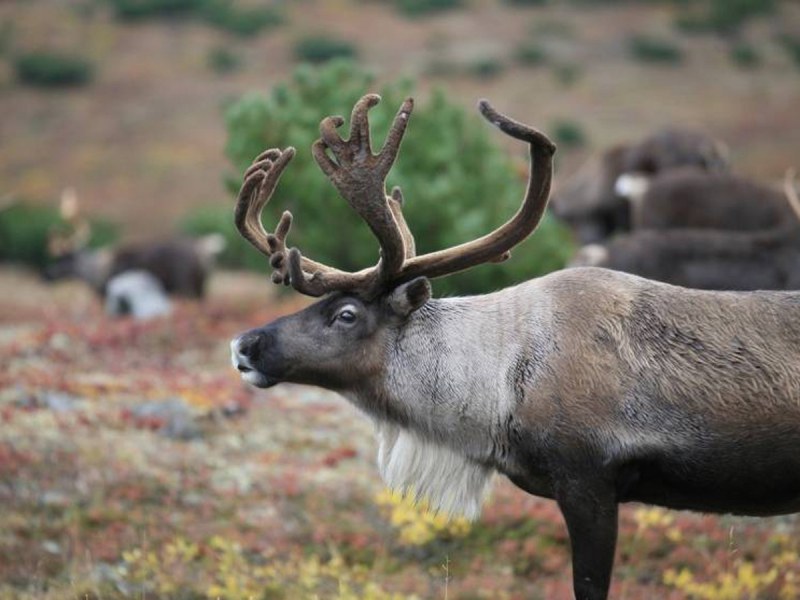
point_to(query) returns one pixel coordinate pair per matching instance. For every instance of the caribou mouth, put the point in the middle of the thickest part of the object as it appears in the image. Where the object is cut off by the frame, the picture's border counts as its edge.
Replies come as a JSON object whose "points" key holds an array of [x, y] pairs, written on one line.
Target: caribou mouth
{"points": [[258, 379], [248, 373]]}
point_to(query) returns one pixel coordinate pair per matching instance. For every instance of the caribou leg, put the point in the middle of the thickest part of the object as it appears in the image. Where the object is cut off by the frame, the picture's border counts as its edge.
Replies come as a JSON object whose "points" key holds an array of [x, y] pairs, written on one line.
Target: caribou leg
{"points": [[590, 512]]}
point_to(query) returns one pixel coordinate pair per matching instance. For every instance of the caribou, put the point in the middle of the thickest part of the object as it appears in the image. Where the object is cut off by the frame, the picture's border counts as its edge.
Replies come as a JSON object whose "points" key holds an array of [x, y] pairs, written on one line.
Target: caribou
{"points": [[587, 386], [691, 198], [712, 259], [176, 266], [594, 204]]}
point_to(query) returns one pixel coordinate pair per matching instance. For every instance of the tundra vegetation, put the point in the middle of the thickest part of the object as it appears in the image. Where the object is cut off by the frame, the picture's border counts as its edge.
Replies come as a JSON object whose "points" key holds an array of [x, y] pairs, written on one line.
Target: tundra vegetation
{"points": [[101, 500]]}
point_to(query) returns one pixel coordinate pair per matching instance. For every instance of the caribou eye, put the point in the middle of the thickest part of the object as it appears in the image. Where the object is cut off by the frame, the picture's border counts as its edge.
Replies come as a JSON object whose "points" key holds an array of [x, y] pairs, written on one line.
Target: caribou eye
{"points": [[346, 316]]}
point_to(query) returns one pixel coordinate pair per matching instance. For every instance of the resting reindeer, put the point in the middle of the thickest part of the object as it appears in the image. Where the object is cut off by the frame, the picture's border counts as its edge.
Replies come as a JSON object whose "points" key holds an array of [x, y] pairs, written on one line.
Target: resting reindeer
{"points": [[690, 198], [587, 386], [710, 259], [590, 201], [179, 265]]}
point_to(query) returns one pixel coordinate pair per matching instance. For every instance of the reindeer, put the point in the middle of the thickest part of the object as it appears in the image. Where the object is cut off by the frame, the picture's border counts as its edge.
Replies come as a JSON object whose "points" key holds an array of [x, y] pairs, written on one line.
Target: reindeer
{"points": [[591, 202], [587, 386], [712, 259], [690, 198], [180, 265]]}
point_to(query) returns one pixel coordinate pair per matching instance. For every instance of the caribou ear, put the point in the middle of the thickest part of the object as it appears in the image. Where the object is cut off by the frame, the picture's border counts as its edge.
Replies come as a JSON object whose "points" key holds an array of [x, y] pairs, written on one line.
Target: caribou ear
{"points": [[408, 297]]}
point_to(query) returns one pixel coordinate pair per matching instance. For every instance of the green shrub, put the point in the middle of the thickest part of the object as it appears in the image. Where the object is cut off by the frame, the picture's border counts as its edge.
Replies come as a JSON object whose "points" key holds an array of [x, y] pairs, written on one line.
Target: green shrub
{"points": [[415, 8], [654, 50], [745, 56], [527, 2], [222, 14], [567, 74], [530, 54], [792, 46], [134, 10], [486, 68], [318, 49], [24, 231], [722, 16], [46, 69], [243, 21], [568, 134], [457, 182], [223, 60]]}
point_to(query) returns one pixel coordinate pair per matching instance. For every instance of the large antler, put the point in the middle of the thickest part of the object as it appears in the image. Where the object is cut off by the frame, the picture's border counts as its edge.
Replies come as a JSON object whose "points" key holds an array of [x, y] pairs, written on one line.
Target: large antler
{"points": [[360, 176], [496, 246]]}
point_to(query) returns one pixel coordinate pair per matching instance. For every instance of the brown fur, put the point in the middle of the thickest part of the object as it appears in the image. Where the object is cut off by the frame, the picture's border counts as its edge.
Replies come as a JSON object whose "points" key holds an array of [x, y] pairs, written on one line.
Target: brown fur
{"points": [[695, 199], [588, 201], [181, 265]]}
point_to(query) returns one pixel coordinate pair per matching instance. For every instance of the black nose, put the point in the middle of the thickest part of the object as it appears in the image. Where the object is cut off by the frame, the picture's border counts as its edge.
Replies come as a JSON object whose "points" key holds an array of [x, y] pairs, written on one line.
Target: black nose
{"points": [[249, 347]]}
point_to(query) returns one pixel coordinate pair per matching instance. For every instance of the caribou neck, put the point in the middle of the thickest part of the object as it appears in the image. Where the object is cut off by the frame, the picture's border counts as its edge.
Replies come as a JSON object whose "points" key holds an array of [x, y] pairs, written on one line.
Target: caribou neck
{"points": [[433, 386]]}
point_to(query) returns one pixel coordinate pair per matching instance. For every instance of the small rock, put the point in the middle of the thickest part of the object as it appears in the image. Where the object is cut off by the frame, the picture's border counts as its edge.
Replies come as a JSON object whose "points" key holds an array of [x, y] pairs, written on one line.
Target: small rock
{"points": [[175, 418], [51, 547]]}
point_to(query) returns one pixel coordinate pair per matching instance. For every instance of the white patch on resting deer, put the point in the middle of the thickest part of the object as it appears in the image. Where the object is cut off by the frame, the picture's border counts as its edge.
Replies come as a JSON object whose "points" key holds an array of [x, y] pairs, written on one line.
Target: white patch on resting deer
{"points": [[449, 482], [591, 255], [632, 186]]}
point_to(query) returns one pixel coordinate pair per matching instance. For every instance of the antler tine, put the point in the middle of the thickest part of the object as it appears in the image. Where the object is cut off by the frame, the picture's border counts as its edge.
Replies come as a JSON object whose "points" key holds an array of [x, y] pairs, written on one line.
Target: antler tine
{"points": [[396, 205], [495, 246], [360, 178], [260, 181]]}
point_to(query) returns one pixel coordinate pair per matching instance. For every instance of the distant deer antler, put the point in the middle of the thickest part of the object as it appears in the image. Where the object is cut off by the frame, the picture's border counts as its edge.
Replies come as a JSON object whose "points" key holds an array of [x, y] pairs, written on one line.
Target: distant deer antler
{"points": [[360, 177], [791, 192], [77, 231]]}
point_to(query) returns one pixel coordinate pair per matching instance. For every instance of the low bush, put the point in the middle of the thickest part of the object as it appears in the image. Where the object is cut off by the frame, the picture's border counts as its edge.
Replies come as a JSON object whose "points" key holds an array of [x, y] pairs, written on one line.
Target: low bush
{"points": [[530, 54], [486, 68], [652, 49], [222, 14], [47, 69], [721, 16], [791, 44], [457, 181], [223, 60], [318, 49], [24, 231], [568, 134], [242, 21], [567, 74], [133, 10], [415, 8], [745, 56]]}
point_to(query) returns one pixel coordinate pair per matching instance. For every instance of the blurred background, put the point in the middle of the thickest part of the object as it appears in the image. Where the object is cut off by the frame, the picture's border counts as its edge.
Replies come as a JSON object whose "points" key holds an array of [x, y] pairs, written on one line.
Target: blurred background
{"points": [[126, 469]]}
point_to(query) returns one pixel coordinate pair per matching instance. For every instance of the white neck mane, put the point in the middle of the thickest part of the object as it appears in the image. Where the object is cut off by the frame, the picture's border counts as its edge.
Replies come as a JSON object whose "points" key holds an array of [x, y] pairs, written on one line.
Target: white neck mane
{"points": [[448, 481]]}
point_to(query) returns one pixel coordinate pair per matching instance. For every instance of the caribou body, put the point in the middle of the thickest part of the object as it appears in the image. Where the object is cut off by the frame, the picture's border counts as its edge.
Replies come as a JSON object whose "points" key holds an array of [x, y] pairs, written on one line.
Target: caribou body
{"points": [[591, 202], [587, 386]]}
